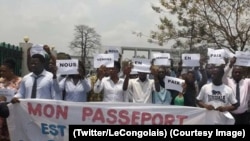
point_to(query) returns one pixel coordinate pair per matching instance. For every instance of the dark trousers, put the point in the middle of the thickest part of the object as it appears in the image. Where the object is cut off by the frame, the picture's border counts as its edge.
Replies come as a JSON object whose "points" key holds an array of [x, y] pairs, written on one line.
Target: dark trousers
{"points": [[242, 118]]}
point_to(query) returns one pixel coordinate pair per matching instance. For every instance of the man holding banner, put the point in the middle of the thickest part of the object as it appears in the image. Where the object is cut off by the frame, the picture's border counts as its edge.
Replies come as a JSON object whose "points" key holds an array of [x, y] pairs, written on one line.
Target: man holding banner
{"points": [[217, 95], [37, 84]]}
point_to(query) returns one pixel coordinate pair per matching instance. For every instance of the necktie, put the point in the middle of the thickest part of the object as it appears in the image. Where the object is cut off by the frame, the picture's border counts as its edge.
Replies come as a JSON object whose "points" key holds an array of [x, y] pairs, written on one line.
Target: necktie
{"points": [[238, 92], [33, 92]]}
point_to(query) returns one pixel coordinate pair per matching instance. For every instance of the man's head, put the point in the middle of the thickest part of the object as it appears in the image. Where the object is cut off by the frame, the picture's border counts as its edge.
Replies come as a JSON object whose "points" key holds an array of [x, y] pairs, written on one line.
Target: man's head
{"points": [[217, 74], [209, 68], [237, 73], [37, 63], [115, 70], [162, 72], [142, 76]]}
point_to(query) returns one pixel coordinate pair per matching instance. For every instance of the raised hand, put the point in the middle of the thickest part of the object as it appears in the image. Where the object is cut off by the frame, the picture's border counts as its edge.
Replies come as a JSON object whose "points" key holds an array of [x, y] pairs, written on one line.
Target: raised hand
{"points": [[101, 72]]}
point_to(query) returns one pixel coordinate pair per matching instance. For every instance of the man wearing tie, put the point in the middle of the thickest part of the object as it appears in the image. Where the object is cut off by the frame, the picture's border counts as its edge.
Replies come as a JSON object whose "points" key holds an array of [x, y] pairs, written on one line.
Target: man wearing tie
{"points": [[241, 87], [39, 83]]}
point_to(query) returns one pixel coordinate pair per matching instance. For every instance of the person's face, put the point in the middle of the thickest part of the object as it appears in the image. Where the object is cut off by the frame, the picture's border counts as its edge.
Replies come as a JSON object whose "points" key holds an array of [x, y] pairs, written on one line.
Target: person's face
{"points": [[52, 64], [237, 73], [190, 77], [5, 72], [161, 73], [106, 72], [209, 68], [142, 76], [216, 74], [113, 71], [36, 66]]}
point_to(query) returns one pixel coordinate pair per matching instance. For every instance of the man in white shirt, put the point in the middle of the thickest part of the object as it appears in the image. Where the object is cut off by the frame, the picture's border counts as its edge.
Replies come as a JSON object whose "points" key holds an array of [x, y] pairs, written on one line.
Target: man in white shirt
{"points": [[45, 82], [241, 113], [140, 88], [216, 95]]}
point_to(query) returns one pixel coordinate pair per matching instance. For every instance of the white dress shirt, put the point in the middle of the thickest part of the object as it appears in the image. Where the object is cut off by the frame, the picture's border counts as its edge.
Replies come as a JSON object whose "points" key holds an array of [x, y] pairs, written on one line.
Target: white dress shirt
{"points": [[78, 92], [141, 91], [244, 85], [45, 86], [112, 92]]}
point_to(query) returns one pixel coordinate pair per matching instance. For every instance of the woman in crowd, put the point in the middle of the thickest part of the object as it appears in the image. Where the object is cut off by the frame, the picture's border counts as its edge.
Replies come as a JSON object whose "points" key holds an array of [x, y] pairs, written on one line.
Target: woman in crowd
{"points": [[161, 95], [9, 79], [112, 85], [188, 96], [75, 87]]}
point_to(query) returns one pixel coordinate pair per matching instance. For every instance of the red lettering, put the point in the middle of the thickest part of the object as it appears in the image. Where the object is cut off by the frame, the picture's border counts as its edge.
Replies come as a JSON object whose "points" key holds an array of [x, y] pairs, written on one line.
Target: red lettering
{"points": [[111, 113], [48, 110], [181, 118], [123, 114], [145, 117], [98, 116], [62, 112], [36, 110], [159, 117], [86, 112], [135, 117], [169, 119], [123, 117]]}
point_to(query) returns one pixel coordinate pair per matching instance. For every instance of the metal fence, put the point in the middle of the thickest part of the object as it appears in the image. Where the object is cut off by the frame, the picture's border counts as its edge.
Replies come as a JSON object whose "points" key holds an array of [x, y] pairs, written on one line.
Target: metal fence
{"points": [[14, 52]]}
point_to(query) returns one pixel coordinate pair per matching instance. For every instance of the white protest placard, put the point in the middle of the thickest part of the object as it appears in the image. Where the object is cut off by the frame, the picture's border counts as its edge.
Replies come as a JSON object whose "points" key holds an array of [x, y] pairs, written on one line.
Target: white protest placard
{"points": [[104, 59], [242, 58], [161, 59], [37, 49], [228, 53], [216, 56], [141, 65], [67, 66], [190, 60], [114, 51], [8, 93], [173, 83]]}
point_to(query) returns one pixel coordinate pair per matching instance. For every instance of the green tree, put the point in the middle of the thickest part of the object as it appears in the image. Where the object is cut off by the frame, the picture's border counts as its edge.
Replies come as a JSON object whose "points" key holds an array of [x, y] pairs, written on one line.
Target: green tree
{"points": [[195, 23], [86, 41]]}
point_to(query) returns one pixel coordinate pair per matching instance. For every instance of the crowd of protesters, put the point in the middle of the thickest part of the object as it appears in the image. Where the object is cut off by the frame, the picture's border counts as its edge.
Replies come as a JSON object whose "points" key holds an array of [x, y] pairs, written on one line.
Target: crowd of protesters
{"points": [[121, 84]]}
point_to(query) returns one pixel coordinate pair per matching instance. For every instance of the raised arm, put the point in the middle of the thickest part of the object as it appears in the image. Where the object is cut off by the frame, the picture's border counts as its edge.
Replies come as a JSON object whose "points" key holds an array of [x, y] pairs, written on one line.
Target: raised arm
{"points": [[227, 70], [126, 72], [98, 84]]}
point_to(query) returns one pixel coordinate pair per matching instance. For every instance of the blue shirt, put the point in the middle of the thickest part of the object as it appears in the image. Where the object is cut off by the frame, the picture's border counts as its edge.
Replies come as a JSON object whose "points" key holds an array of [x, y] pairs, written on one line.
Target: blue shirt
{"points": [[162, 97]]}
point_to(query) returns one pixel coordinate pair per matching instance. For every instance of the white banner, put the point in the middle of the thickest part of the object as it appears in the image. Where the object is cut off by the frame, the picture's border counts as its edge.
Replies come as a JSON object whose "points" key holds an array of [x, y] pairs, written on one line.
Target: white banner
{"points": [[242, 58], [67, 66], [216, 56], [174, 83], [104, 59], [141, 65], [161, 59], [49, 120], [190, 60], [114, 51], [37, 49]]}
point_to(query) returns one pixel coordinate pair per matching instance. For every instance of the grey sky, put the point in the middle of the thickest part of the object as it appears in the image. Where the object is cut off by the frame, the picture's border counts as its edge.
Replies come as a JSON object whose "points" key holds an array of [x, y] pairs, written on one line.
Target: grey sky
{"points": [[52, 21]]}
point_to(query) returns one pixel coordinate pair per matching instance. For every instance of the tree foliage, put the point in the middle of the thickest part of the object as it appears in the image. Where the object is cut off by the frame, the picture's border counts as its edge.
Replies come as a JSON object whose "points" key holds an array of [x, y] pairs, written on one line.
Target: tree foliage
{"points": [[193, 23], [86, 41]]}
